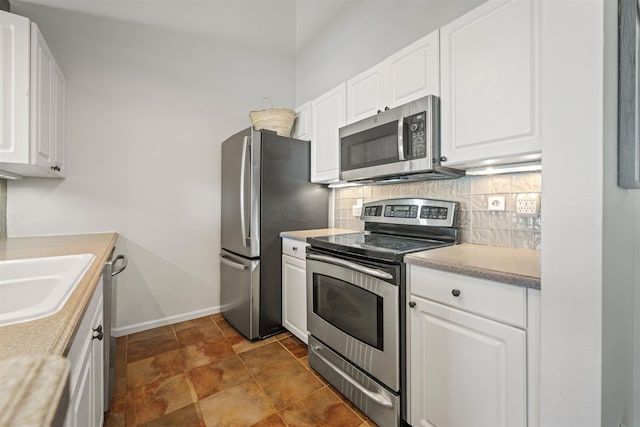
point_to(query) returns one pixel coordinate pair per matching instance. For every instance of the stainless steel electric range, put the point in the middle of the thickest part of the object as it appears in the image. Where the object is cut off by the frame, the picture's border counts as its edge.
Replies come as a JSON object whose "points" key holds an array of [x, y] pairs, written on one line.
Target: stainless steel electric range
{"points": [[356, 298]]}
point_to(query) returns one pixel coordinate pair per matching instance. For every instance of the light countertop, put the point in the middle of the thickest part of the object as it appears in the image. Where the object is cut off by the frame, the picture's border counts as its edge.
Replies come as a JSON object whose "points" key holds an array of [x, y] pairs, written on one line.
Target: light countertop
{"points": [[33, 370], [53, 334], [33, 391], [519, 267], [302, 235]]}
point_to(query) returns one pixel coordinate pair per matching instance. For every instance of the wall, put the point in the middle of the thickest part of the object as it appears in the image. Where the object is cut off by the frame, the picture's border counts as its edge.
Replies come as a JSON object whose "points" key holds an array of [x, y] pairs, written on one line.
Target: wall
{"points": [[572, 184], [147, 109], [359, 34], [477, 224], [621, 256]]}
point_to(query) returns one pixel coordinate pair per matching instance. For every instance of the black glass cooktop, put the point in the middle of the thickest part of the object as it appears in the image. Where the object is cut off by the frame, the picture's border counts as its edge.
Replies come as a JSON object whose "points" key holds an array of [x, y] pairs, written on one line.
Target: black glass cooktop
{"points": [[375, 245]]}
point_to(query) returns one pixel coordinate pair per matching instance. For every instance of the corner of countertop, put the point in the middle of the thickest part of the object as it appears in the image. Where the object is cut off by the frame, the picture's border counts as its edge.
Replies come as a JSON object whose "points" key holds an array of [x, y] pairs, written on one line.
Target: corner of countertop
{"points": [[519, 267], [303, 235]]}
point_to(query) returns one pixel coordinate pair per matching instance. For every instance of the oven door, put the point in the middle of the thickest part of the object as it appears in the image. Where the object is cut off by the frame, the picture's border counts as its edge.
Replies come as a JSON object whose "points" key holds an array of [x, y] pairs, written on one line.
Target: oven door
{"points": [[353, 308]]}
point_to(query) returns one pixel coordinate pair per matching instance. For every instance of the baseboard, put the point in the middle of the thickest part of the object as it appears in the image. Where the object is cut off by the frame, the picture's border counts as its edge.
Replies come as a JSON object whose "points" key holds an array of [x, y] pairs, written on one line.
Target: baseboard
{"points": [[138, 327]]}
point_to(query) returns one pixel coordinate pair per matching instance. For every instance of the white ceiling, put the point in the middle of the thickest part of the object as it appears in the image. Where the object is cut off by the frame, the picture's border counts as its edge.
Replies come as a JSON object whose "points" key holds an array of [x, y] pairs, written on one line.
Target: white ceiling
{"points": [[270, 22], [263, 22]]}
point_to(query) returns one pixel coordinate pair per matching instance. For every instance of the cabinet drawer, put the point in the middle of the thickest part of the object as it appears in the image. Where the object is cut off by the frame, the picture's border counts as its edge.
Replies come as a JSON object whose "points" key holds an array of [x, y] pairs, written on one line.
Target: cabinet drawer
{"points": [[295, 248], [506, 303]]}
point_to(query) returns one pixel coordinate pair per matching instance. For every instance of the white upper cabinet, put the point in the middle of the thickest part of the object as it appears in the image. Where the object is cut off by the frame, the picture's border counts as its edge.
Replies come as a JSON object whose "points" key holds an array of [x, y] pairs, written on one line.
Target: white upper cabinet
{"points": [[327, 116], [490, 85], [414, 71], [14, 87], [364, 93], [409, 74], [302, 125], [32, 102]]}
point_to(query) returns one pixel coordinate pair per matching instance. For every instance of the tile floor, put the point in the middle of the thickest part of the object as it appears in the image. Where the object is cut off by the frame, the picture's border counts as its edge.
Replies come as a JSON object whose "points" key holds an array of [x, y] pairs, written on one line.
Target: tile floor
{"points": [[204, 373]]}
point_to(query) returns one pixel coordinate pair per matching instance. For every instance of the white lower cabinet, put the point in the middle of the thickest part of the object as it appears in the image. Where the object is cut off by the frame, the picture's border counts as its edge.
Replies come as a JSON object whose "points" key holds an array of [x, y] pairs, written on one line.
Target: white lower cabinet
{"points": [[86, 392], [294, 288], [466, 366]]}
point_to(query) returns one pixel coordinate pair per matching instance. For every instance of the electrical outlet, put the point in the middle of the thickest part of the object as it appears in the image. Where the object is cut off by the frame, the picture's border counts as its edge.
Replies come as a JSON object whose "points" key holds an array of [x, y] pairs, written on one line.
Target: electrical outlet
{"points": [[496, 203], [356, 210], [528, 205]]}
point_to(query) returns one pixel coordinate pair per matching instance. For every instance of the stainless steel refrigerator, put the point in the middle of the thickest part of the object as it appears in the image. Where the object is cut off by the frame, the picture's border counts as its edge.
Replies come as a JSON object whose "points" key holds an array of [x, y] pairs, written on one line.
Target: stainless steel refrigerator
{"points": [[265, 190]]}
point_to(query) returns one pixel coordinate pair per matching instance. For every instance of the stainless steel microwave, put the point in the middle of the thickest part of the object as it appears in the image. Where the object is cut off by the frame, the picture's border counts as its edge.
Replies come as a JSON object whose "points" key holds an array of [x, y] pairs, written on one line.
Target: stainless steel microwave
{"points": [[402, 143]]}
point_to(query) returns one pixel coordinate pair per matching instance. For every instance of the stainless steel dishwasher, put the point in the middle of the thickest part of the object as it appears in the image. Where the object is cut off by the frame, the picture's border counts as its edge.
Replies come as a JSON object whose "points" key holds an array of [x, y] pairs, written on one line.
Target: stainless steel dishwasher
{"points": [[114, 266]]}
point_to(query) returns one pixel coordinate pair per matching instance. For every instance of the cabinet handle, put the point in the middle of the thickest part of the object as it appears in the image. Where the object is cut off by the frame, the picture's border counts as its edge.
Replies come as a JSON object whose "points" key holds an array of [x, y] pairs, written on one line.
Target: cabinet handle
{"points": [[412, 304], [386, 108], [379, 111], [443, 158], [97, 333], [455, 293], [295, 248]]}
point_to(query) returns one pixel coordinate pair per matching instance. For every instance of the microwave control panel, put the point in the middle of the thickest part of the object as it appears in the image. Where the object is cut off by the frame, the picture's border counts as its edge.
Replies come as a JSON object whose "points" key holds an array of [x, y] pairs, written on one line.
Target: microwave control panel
{"points": [[416, 125]]}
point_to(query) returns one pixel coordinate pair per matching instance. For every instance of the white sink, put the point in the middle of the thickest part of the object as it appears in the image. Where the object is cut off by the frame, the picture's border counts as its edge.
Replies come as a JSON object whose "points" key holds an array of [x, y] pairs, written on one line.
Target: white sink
{"points": [[33, 288]]}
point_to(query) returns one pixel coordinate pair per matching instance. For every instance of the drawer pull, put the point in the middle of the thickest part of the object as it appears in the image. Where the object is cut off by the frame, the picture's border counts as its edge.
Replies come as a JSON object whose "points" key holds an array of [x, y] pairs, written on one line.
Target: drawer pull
{"points": [[455, 293], [295, 248]]}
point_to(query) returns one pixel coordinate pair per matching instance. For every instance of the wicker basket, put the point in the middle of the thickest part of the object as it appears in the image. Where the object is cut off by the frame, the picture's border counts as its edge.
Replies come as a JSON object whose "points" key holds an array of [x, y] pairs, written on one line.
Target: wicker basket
{"points": [[279, 120]]}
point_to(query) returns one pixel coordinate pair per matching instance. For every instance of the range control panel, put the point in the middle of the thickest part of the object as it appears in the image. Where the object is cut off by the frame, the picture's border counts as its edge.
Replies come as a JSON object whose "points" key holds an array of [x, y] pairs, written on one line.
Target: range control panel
{"points": [[401, 211], [412, 212]]}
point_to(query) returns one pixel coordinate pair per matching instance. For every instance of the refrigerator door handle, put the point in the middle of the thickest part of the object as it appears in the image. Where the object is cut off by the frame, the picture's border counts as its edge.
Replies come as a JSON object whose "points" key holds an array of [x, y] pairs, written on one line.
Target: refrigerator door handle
{"points": [[243, 223], [226, 260]]}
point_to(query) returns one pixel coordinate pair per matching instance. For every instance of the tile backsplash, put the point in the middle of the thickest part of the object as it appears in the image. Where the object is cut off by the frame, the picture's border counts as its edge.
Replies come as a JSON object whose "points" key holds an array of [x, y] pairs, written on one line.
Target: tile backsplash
{"points": [[477, 224], [3, 208]]}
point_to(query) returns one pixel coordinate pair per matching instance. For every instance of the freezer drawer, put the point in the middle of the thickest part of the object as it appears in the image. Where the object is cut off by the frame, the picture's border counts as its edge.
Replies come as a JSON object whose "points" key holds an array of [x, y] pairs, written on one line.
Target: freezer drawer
{"points": [[240, 292]]}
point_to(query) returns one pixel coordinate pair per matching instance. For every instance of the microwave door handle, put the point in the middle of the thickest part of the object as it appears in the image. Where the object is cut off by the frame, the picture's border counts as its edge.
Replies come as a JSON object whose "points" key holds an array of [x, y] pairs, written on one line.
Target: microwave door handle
{"points": [[401, 139], [352, 265]]}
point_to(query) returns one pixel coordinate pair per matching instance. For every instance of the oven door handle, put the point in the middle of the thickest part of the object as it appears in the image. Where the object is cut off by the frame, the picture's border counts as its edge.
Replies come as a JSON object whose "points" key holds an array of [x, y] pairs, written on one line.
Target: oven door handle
{"points": [[352, 265], [376, 397]]}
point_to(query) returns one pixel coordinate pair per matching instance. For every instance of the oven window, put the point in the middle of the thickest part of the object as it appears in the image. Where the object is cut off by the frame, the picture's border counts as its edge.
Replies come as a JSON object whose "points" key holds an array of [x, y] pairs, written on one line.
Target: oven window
{"points": [[349, 308], [370, 148]]}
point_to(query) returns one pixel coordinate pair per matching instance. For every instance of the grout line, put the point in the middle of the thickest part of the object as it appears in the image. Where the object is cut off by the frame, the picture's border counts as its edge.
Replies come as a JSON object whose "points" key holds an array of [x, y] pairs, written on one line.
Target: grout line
{"points": [[194, 396]]}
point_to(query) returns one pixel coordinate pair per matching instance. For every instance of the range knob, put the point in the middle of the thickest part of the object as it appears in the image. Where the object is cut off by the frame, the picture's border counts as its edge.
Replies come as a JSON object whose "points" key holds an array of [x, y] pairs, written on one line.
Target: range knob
{"points": [[414, 127]]}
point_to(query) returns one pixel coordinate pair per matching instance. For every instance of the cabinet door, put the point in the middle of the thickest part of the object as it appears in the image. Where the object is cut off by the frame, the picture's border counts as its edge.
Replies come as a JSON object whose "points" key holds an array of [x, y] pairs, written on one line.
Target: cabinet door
{"points": [[80, 413], [294, 296], [365, 93], [86, 383], [465, 370], [490, 84], [14, 88], [302, 126], [59, 129], [327, 116], [43, 102], [97, 368], [414, 71]]}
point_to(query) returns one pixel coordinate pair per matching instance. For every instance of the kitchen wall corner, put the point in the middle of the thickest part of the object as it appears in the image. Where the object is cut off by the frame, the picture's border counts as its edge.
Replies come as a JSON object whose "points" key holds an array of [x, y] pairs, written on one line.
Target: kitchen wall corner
{"points": [[3, 208], [477, 224]]}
